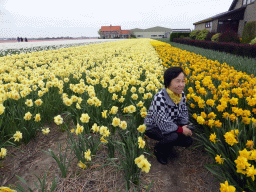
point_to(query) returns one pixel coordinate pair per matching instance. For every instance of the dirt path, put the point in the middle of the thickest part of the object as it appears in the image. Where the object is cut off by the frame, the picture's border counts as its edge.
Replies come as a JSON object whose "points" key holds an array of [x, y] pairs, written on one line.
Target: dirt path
{"points": [[184, 173]]}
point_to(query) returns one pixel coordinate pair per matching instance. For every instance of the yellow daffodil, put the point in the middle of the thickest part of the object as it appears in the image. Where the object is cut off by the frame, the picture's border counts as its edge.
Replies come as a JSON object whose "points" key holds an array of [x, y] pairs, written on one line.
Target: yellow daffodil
{"points": [[82, 165], [225, 187], [219, 160], [249, 144], [95, 128], [28, 116], [103, 140], [87, 155], [131, 109], [213, 138], [230, 138], [58, 120], [17, 136], [3, 153], [114, 97], [142, 128], [37, 117], [123, 125], [38, 102], [84, 118], [116, 121], [113, 110], [251, 172], [142, 163], [200, 120], [6, 189], [29, 102], [45, 131], [141, 142], [2, 108], [79, 129]]}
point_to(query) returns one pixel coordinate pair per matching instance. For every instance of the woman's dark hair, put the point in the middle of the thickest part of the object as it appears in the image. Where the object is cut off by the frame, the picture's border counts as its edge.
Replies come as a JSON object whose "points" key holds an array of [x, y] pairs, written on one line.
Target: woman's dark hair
{"points": [[171, 74]]}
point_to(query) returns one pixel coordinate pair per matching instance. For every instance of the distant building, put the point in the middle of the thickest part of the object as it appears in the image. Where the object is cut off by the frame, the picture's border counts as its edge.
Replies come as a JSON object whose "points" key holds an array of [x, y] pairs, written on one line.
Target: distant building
{"points": [[125, 34], [240, 12], [110, 32], [155, 32]]}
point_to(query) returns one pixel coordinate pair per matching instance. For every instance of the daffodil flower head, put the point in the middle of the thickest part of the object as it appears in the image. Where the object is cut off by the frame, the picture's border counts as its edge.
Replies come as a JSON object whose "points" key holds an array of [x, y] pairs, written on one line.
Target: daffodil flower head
{"points": [[123, 125], [116, 121], [225, 187], [37, 117], [84, 118], [29, 102], [113, 110], [87, 155], [17, 136], [79, 129], [45, 131], [219, 160], [38, 102], [142, 128], [141, 142], [82, 165], [95, 128], [213, 138], [58, 120], [3, 153], [28, 116], [6, 189]]}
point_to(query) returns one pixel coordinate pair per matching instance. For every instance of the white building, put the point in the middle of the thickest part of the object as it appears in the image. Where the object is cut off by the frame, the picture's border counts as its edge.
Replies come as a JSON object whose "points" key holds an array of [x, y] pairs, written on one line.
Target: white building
{"points": [[155, 32]]}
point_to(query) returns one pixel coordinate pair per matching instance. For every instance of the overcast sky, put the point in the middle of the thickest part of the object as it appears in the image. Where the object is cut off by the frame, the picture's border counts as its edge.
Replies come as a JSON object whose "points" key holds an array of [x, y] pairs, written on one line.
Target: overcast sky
{"points": [[76, 18]]}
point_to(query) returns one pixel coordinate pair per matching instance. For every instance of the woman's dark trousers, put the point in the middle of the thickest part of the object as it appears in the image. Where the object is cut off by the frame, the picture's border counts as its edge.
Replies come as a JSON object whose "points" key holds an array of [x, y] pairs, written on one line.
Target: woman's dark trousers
{"points": [[167, 141]]}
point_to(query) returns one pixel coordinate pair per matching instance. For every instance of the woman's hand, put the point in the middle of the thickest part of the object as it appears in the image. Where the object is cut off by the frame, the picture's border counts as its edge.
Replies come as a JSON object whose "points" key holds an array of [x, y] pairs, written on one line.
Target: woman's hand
{"points": [[186, 131]]}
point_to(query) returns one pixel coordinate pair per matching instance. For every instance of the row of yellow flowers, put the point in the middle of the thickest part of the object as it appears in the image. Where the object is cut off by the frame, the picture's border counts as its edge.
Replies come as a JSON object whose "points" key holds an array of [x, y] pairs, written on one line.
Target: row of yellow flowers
{"points": [[105, 88], [222, 102]]}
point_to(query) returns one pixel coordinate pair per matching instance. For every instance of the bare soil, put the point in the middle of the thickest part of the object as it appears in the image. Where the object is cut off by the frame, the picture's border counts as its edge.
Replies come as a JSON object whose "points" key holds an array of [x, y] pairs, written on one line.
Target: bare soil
{"points": [[184, 173]]}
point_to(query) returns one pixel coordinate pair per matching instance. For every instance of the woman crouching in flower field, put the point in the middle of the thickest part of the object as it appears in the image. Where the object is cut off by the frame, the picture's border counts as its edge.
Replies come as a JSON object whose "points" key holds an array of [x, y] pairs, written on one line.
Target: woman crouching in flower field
{"points": [[167, 117]]}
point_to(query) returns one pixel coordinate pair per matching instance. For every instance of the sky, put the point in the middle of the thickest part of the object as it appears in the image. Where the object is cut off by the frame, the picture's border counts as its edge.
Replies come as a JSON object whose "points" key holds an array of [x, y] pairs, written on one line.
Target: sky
{"points": [[76, 18]]}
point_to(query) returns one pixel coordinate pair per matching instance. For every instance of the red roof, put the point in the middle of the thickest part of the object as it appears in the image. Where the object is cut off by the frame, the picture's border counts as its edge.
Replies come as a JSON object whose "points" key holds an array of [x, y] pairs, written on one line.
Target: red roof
{"points": [[110, 28], [125, 32]]}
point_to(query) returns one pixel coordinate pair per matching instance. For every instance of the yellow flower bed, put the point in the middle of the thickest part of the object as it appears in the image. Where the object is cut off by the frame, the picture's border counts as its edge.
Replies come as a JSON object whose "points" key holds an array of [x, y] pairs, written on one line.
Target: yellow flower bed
{"points": [[105, 88], [222, 101]]}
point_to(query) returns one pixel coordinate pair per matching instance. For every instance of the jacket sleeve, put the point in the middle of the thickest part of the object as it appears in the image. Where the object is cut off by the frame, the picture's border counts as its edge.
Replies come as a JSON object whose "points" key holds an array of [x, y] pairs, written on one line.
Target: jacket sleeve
{"points": [[183, 118], [158, 115]]}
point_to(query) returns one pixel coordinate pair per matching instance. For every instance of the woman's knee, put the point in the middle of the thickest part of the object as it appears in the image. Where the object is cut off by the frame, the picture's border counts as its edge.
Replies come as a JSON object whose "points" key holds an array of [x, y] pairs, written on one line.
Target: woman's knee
{"points": [[154, 134], [172, 137]]}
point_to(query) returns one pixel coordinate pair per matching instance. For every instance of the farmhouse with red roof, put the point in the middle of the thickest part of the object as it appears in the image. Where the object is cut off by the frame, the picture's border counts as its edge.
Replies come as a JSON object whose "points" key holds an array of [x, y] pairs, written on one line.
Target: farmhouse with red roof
{"points": [[109, 32]]}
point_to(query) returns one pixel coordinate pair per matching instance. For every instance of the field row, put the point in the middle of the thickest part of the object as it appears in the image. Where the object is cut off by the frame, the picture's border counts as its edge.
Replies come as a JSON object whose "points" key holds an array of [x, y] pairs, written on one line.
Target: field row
{"points": [[222, 102], [104, 88]]}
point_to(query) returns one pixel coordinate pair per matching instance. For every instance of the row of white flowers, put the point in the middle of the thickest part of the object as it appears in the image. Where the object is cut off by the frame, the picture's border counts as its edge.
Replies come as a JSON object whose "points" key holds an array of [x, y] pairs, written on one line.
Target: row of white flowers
{"points": [[23, 45]]}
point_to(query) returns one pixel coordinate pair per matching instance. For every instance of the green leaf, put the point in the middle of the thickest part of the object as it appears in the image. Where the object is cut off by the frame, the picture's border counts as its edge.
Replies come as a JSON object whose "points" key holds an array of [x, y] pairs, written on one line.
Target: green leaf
{"points": [[23, 181], [54, 184], [213, 170]]}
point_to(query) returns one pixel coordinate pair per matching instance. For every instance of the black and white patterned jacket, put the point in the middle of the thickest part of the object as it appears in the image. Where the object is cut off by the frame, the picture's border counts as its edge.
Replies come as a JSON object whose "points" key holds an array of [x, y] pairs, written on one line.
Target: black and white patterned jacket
{"points": [[165, 114]]}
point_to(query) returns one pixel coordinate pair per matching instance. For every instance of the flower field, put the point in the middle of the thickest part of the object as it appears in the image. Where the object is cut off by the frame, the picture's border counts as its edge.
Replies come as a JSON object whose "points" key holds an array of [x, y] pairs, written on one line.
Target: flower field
{"points": [[222, 102], [106, 89], [9, 48]]}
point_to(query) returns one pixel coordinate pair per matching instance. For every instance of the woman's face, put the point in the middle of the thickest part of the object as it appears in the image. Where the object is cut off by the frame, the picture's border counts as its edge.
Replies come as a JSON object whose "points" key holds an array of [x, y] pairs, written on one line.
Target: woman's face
{"points": [[177, 85]]}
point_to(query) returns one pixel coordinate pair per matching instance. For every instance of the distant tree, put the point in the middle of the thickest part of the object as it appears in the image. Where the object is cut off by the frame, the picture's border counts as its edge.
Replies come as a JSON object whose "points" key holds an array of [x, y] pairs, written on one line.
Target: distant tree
{"points": [[99, 32], [132, 35]]}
